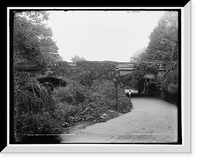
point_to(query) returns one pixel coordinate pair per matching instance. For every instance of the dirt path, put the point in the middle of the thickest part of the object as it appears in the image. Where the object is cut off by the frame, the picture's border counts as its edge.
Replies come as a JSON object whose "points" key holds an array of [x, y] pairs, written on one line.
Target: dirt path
{"points": [[150, 121]]}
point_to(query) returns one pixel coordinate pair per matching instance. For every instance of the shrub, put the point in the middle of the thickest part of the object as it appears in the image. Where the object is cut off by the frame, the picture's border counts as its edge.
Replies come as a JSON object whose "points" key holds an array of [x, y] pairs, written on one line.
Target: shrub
{"points": [[35, 111], [169, 86], [72, 100], [105, 95], [79, 103], [73, 93], [124, 103]]}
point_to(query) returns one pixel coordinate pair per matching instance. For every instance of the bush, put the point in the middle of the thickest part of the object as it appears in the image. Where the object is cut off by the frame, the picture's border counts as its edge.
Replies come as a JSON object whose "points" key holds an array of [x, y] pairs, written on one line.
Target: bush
{"points": [[73, 93], [35, 111], [169, 86], [105, 95], [124, 103], [72, 100], [38, 112], [79, 103]]}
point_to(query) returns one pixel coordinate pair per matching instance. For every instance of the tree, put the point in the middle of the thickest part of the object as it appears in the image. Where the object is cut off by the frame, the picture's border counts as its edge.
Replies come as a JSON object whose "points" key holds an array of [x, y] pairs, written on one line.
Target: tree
{"points": [[138, 55], [54, 58], [35, 110], [140, 69], [77, 58], [163, 45], [32, 39], [91, 70]]}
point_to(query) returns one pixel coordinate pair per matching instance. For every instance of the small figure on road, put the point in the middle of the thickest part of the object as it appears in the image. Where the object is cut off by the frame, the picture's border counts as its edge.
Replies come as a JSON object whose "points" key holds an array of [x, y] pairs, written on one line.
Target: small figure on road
{"points": [[145, 86], [129, 93], [140, 86]]}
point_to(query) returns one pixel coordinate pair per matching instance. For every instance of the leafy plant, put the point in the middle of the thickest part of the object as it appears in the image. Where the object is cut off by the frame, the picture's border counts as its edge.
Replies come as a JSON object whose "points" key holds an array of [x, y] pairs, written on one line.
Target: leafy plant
{"points": [[35, 111], [32, 39], [164, 48], [92, 101]]}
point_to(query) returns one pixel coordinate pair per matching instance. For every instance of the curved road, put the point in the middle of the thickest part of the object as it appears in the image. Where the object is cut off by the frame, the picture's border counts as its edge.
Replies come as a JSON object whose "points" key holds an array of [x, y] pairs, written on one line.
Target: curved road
{"points": [[150, 121]]}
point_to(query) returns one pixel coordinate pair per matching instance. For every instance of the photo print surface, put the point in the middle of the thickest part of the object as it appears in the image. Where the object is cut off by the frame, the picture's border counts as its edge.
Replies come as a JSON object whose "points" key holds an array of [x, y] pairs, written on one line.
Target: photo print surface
{"points": [[95, 76]]}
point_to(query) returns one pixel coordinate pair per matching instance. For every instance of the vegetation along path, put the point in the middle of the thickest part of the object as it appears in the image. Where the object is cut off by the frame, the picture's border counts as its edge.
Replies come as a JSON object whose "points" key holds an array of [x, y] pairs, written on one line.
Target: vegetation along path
{"points": [[150, 121]]}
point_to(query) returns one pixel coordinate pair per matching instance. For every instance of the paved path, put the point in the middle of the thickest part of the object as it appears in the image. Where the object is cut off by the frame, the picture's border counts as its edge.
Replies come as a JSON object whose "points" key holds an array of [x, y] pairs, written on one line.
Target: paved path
{"points": [[151, 121]]}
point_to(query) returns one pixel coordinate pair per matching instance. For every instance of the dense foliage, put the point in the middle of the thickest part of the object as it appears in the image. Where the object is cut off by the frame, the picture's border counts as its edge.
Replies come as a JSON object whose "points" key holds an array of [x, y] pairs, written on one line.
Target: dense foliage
{"points": [[32, 39], [163, 48], [90, 91], [80, 103], [35, 111], [142, 68], [86, 71], [90, 95], [170, 83], [163, 45], [91, 70]]}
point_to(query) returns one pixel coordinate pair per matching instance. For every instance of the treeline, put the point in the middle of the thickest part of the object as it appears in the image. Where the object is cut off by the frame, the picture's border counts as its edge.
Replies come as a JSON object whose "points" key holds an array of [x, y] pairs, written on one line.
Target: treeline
{"points": [[163, 48]]}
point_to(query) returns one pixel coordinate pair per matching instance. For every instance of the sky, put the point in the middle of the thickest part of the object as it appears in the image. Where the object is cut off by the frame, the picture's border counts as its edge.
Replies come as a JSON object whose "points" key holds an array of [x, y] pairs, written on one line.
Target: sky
{"points": [[102, 35]]}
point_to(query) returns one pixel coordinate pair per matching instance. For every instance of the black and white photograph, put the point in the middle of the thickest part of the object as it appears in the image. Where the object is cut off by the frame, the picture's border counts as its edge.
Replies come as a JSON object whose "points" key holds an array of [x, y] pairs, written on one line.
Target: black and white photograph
{"points": [[96, 76]]}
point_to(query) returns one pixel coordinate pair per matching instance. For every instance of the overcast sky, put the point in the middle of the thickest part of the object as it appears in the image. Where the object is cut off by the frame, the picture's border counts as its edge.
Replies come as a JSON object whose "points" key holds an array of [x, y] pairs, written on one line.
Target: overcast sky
{"points": [[100, 35]]}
